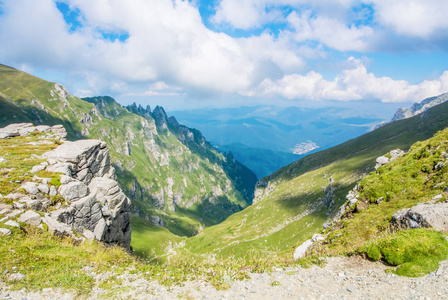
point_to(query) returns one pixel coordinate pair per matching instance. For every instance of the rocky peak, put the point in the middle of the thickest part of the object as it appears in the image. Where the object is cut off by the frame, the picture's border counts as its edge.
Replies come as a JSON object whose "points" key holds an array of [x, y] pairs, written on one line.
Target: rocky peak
{"points": [[139, 110], [418, 108], [160, 117]]}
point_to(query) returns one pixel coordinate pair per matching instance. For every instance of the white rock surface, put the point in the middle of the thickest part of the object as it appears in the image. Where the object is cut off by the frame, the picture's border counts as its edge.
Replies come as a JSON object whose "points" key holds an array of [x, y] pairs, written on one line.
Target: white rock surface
{"points": [[30, 188], [5, 231], [30, 217], [12, 223]]}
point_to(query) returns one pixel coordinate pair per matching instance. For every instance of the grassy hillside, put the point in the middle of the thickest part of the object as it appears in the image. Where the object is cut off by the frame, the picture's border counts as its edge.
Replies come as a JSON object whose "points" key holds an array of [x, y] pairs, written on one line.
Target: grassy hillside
{"points": [[183, 186], [419, 176], [294, 203]]}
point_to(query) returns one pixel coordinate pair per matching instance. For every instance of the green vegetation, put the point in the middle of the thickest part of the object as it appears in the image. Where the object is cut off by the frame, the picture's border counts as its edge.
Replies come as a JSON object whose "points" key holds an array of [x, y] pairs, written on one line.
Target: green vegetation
{"points": [[47, 261], [417, 252], [414, 178], [20, 155]]}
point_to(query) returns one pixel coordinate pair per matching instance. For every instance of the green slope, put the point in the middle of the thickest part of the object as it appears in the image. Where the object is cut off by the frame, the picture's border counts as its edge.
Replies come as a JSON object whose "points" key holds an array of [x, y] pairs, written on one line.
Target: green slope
{"points": [[293, 203], [168, 181], [421, 175]]}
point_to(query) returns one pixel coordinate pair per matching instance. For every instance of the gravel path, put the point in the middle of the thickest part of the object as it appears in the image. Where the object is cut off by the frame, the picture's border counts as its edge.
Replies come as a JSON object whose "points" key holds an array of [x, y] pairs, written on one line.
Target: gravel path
{"points": [[341, 278]]}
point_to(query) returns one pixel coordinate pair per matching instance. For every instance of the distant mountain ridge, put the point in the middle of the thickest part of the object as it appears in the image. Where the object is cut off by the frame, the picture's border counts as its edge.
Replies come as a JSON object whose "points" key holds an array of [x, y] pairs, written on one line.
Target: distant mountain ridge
{"points": [[418, 108]]}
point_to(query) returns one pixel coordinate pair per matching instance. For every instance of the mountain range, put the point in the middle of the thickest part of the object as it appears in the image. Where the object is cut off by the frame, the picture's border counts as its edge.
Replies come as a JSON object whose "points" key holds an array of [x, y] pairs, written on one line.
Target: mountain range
{"points": [[173, 176]]}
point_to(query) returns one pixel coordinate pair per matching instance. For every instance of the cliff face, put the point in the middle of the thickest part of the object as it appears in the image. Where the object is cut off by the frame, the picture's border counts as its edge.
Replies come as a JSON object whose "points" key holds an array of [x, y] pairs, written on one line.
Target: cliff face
{"points": [[170, 172]]}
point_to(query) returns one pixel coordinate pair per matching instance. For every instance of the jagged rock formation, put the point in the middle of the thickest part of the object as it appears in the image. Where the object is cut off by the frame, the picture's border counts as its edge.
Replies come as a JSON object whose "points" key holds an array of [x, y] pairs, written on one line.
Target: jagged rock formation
{"points": [[97, 208], [418, 108]]}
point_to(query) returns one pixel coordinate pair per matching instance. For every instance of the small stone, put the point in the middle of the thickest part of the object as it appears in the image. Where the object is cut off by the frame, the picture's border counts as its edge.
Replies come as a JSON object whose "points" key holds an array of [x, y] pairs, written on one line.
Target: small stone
{"points": [[30, 188], [5, 211], [30, 217], [19, 205], [16, 276], [37, 168], [12, 224], [43, 188], [53, 191], [34, 204], [5, 231]]}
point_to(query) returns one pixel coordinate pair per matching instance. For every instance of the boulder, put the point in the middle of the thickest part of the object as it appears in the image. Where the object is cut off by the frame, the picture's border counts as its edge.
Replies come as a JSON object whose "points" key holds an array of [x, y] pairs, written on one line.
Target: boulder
{"points": [[394, 154], [12, 130], [12, 224], [30, 188], [30, 217], [5, 231], [300, 251], [37, 168], [423, 215], [43, 188], [382, 160]]}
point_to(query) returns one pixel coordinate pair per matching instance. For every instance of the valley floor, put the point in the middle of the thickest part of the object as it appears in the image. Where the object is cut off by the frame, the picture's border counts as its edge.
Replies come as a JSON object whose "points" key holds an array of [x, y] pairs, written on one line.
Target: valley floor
{"points": [[341, 278]]}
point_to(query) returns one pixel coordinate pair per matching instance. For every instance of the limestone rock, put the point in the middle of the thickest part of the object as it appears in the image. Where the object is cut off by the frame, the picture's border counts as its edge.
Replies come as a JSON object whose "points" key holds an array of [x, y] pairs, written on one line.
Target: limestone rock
{"points": [[43, 188], [98, 208], [5, 231], [382, 160], [53, 191], [34, 204], [56, 227], [72, 191], [423, 215], [396, 154], [30, 217], [12, 130], [30, 188], [12, 224], [300, 251], [37, 168]]}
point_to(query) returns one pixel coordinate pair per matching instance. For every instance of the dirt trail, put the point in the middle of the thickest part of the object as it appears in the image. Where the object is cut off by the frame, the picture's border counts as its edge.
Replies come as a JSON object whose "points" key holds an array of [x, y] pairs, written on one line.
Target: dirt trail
{"points": [[341, 278]]}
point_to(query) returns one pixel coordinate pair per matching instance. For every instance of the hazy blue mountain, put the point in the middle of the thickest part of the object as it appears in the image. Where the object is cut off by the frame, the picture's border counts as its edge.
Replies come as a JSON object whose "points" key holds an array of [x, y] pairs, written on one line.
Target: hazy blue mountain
{"points": [[261, 161], [264, 138]]}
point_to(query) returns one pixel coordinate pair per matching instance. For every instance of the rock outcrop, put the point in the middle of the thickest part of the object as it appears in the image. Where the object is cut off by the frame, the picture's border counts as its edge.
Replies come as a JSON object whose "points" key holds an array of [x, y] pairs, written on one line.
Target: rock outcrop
{"points": [[98, 205], [23, 129], [425, 215]]}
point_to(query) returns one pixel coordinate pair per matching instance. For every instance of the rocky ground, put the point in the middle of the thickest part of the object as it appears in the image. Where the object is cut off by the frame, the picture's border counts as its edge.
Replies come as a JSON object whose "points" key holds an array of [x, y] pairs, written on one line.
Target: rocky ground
{"points": [[341, 278]]}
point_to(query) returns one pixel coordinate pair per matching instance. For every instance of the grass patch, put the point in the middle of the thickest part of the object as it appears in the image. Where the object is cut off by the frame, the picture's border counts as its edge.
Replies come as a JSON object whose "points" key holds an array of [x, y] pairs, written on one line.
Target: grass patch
{"points": [[48, 261], [416, 252]]}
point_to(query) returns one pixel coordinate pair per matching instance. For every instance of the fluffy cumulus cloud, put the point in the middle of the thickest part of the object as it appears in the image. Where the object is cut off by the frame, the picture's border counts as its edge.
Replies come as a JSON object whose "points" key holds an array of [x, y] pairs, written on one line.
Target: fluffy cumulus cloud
{"points": [[352, 84], [413, 17], [164, 47]]}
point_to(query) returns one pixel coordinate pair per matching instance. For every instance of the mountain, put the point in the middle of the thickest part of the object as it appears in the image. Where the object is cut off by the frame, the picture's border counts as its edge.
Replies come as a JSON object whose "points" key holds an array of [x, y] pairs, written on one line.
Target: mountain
{"points": [[418, 108], [173, 176], [295, 202], [261, 161], [250, 132]]}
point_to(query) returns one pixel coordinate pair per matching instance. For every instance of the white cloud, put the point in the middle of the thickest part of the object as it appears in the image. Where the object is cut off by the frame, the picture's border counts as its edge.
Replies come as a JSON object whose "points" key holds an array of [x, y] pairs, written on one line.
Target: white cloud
{"points": [[352, 84], [329, 31], [169, 45], [413, 17]]}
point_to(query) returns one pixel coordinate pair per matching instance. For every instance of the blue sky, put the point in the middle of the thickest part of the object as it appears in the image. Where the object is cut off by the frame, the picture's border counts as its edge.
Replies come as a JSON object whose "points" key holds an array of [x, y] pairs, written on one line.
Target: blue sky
{"points": [[231, 52]]}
